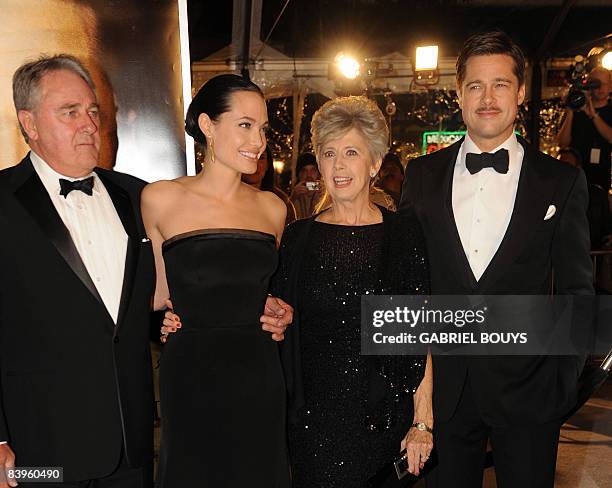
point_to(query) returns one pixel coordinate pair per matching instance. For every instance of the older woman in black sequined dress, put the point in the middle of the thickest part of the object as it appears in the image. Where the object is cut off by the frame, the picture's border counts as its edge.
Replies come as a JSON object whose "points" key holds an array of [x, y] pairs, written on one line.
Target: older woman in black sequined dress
{"points": [[350, 414]]}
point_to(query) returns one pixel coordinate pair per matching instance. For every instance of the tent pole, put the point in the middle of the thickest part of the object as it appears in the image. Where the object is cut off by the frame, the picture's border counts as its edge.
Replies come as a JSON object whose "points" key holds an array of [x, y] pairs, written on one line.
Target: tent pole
{"points": [[245, 44], [299, 96]]}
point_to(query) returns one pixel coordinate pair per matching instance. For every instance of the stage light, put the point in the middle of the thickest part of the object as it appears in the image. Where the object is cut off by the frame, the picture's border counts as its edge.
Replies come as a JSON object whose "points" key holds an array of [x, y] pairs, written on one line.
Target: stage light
{"points": [[426, 66], [606, 60], [347, 66], [279, 166], [600, 56], [426, 58], [349, 74]]}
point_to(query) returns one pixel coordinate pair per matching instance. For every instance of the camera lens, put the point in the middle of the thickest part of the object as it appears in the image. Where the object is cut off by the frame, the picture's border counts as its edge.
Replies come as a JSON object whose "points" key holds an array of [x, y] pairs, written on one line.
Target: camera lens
{"points": [[575, 99]]}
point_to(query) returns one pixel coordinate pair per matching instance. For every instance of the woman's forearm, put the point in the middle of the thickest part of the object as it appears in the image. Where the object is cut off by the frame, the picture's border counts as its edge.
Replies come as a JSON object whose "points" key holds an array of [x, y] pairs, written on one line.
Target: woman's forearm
{"points": [[423, 407]]}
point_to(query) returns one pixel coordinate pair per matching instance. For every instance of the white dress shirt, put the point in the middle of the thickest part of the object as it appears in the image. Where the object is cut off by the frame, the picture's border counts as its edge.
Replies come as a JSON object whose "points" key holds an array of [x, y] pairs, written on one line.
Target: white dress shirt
{"points": [[96, 231], [483, 203]]}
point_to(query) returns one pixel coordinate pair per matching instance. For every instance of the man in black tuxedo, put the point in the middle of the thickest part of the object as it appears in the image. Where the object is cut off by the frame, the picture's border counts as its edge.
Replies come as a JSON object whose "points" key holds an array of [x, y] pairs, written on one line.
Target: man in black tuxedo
{"points": [[499, 223], [78, 276]]}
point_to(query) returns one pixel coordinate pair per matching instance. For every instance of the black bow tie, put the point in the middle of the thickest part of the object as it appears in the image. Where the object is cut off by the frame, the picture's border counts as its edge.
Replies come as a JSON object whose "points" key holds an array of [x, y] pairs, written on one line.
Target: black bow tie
{"points": [[498, 161], [86, 186]]}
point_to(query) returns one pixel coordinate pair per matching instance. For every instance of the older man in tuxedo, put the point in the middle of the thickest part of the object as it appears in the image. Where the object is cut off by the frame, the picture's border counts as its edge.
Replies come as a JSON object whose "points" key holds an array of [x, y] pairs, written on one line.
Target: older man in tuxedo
{"points": [[499, 217], [78, 274]]}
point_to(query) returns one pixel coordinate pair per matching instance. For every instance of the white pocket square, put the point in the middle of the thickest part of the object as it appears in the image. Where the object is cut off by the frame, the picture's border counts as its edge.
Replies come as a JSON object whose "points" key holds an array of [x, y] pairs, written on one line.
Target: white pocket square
{"points": [[145, 239], [550, 212]]}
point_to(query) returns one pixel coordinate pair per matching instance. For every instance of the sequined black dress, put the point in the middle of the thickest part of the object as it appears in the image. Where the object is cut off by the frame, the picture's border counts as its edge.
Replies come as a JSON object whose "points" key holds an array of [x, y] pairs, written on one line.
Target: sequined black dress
{"points": [[222, 389], [343, 429]]}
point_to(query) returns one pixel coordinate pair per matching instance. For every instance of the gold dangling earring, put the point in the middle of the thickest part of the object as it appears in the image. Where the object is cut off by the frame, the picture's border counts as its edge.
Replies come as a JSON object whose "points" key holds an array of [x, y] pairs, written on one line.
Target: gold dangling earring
{"points": [[212, 152]]}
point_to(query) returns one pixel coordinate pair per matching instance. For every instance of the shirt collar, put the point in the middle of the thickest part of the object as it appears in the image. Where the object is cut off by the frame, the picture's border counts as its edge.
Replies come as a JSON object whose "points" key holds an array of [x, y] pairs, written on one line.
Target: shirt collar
{"points": [[50, 177]]}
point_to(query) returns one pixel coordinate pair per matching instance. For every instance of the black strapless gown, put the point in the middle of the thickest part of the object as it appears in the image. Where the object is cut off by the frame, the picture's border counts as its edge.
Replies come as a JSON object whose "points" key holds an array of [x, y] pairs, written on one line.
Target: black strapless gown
{"points": [[222, 387]]}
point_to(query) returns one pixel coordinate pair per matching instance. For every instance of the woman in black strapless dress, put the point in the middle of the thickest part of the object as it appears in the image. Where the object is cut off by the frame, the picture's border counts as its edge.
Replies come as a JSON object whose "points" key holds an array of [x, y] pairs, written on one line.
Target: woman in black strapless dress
{"points": [[222, 388]]}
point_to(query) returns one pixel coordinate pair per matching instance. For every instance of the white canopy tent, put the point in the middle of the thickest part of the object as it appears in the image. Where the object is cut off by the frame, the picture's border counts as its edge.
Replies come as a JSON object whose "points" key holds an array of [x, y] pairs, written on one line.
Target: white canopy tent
{"points": [[281, 76]]}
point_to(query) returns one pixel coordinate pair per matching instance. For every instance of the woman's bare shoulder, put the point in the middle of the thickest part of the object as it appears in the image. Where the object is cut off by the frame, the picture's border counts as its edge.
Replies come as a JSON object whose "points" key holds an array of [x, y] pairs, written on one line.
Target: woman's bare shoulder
{"points": [[272, 201], [268, 206], [163, 189], [160, 195]]}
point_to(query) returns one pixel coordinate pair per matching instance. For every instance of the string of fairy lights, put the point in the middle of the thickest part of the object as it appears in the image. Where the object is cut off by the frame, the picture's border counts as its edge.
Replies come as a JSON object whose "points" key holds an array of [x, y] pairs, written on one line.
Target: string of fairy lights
{"points": [[433, 110]]}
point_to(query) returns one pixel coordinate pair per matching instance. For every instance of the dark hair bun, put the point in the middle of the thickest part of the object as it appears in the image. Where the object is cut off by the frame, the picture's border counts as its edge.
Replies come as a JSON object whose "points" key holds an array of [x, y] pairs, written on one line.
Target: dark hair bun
{"points": [[192, 127], [213, 99]]}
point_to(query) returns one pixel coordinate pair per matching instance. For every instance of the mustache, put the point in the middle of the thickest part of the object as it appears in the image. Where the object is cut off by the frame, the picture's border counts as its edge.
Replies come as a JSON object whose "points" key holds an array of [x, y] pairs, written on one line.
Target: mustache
{"points": [[488, 109]]}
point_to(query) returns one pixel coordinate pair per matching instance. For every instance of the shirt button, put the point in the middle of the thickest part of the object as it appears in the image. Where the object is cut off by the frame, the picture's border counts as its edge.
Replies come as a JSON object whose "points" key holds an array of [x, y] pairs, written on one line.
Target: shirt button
{"points": [[476, 251], [89, 242], [477, 221], [116, 340], [98, 279], [481, 188]]}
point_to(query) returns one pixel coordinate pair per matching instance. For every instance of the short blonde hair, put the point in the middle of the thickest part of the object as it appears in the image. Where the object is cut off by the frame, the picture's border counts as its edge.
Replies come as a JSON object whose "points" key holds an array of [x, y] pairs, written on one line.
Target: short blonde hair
{"points": [[338, 116]]}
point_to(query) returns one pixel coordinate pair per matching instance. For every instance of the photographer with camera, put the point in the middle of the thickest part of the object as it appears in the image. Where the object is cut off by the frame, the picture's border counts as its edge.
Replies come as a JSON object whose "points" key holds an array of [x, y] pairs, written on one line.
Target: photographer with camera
{"points": [[307, 191], [588, 125]]}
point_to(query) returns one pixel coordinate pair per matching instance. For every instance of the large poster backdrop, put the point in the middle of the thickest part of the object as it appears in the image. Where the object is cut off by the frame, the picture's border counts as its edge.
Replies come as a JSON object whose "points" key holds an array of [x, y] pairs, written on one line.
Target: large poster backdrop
{"points": [[133, 50]]}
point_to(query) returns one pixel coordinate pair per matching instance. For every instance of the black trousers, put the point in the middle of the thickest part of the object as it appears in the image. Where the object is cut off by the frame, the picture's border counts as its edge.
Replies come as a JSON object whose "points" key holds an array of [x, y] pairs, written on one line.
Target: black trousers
{"points": [[122, 477], [525, 456]]}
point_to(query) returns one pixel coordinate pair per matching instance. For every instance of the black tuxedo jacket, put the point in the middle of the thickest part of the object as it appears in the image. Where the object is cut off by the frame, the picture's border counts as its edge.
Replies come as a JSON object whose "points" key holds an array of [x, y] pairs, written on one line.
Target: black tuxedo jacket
{"points": [[510, 389], [75, 387]]}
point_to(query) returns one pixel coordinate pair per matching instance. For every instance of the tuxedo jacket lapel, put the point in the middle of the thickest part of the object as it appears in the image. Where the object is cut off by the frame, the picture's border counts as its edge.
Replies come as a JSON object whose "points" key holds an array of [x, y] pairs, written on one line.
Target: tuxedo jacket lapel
{"points": [[438, 181], [534, 195], [33, 196], [123, 206]]}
